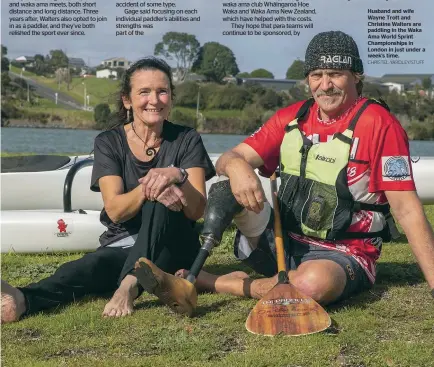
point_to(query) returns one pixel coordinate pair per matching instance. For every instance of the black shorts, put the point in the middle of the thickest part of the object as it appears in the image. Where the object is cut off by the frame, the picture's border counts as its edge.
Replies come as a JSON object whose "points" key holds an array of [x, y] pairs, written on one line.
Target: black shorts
{"points": [[263, 260]]}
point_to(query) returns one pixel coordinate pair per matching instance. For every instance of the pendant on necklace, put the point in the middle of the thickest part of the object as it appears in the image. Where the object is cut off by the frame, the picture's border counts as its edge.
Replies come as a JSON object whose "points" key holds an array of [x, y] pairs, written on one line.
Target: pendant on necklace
{"points": [[150, 151]]}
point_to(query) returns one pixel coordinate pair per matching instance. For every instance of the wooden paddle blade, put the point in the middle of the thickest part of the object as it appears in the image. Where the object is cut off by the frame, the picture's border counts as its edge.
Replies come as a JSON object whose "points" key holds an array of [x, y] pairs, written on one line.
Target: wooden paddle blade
{"points": [[284, 310]]}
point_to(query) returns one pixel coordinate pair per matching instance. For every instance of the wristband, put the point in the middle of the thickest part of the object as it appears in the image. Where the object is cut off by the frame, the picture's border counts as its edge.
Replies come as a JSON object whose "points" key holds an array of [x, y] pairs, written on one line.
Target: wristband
{"points": [[184, 177], [184, 174]]}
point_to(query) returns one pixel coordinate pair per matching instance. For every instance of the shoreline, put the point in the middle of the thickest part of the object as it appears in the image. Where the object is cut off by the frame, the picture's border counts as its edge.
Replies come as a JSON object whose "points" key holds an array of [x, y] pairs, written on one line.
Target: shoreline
{"points": [[24, 125], [40, 125]]}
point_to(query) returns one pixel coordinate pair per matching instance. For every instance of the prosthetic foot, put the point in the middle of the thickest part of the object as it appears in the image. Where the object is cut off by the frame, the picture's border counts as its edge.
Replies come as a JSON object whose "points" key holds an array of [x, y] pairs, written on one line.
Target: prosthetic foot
{"points": [[177, 293]]}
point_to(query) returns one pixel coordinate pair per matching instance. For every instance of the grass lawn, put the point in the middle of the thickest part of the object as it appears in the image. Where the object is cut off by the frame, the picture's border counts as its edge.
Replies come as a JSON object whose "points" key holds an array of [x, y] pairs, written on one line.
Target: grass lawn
{"points": [[390, 325], [100, 90]]}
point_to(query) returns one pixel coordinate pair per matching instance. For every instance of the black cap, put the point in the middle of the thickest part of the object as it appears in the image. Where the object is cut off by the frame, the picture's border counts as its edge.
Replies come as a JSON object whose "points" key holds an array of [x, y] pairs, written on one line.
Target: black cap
{"points": [[332, 50]]}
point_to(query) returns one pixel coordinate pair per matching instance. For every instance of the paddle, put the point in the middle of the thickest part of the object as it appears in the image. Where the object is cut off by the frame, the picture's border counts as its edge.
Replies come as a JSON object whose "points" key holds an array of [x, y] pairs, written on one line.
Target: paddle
{"points": [[284, 309]]}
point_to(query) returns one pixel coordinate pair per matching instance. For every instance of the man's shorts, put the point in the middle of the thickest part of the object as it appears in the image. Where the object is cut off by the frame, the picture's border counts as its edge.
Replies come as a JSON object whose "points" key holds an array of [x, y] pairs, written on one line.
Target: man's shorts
{"points": [[263, 259]]}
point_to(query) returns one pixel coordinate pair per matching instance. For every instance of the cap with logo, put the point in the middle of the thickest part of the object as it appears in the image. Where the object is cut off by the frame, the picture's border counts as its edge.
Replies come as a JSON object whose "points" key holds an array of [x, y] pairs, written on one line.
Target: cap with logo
{"points": [[332, 50]]}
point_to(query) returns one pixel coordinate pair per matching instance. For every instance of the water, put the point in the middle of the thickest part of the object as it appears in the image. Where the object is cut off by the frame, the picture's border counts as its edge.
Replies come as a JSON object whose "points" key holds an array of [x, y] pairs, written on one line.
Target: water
{"points": [[43, 141]]}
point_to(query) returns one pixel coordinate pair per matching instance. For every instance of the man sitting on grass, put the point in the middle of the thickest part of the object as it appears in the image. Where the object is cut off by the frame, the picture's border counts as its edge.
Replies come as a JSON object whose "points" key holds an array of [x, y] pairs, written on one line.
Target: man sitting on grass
{"points": [[344, 163]]}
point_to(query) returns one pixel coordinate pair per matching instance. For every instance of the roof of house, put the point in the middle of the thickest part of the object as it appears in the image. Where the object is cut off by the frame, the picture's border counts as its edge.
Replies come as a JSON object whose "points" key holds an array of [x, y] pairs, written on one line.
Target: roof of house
{"points": [[404, 78], [115, 58], [25, 58]]}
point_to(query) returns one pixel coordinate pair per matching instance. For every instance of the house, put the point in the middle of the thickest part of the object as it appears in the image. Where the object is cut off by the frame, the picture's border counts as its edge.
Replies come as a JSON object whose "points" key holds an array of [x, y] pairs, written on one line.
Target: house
{"points": [[397, 87], [276, 84], [107, 73], [116, 62], [407, 80], [25, 60]]}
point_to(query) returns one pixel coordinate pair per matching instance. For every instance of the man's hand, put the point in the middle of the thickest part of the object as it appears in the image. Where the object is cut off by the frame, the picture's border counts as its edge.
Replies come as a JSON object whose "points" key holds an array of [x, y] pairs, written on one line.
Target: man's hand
{"points": [[157, 180], [246, 187], [173, 198]]}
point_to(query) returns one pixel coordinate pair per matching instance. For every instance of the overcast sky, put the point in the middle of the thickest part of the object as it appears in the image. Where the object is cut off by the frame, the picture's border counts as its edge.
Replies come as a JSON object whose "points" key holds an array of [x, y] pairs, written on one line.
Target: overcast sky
{"points": [[275, 53]]}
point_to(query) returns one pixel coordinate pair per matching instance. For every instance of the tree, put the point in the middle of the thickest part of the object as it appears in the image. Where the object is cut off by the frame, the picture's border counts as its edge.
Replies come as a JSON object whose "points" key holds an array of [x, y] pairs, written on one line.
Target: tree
{"points": [[243, 75], [40, 65], [215, 61], [181, 47], [4, 59], [427, 83], [295, 71], [261, 73], [58, 59], [101, 114], [120, 72]]}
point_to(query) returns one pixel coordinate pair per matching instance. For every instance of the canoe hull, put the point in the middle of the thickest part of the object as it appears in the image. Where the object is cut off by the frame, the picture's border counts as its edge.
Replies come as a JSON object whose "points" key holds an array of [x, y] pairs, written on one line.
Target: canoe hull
{"points": [[44, 190], [50, 230]]}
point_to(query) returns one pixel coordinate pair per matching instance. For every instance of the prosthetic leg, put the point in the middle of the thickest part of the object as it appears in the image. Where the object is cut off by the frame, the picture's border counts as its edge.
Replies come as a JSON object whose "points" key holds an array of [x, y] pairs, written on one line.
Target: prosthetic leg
{"points": [[220, 209]]}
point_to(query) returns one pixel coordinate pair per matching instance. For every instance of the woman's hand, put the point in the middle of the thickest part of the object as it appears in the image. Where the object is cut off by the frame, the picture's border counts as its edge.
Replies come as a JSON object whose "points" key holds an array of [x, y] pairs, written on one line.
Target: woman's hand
{"points": [[173, 198], [157, 180]]}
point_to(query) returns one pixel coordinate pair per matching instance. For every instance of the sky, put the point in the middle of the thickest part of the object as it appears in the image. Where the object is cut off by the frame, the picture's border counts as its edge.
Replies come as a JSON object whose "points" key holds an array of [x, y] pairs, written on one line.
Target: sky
{"points": [[274, 53]]}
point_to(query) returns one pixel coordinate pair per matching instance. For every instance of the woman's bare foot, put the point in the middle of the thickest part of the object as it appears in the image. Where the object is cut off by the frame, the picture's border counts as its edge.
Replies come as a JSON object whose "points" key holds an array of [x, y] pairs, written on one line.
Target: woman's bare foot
{"points": [[121, 304], [13, 304], [179, 294]]}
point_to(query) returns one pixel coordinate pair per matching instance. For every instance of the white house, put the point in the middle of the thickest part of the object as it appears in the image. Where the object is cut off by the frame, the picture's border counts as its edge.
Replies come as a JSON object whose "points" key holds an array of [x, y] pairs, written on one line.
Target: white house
{"points": [[25, 60], [116, 62], [397, 87], [107, 73]]}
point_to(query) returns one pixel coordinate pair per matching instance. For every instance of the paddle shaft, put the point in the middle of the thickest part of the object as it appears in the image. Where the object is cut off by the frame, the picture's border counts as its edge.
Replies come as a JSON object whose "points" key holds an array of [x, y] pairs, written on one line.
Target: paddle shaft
{"points": [[280, 250]]}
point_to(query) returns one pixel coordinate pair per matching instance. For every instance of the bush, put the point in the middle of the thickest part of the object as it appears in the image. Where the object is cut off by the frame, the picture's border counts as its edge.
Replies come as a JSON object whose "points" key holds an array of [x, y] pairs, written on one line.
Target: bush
{"points": [[101, 115], [182, 118], [230, 97], [270, 100], [186, 94], [252, 118]]}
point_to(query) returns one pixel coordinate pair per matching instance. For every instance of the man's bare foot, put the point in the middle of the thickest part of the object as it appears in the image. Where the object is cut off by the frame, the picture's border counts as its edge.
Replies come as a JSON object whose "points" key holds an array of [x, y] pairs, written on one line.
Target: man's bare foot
{"points": [[13, 304], [121, 304], [260, 287], [177, 293], [237, 283]]}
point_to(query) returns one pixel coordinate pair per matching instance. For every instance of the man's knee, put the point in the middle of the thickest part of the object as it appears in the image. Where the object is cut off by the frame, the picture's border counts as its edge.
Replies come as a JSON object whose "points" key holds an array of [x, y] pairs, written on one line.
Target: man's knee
{"points": [[252, 224], [322, 282]]}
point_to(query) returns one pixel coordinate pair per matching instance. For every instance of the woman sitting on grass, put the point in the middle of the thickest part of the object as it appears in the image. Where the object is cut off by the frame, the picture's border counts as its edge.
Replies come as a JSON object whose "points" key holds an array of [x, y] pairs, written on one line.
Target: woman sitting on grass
{"points": [[151, 174]]}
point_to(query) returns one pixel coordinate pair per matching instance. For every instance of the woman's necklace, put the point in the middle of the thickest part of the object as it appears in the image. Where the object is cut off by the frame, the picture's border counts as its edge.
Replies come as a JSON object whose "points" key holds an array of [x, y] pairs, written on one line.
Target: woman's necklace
{"points": [[150, 151], [340, 117]]}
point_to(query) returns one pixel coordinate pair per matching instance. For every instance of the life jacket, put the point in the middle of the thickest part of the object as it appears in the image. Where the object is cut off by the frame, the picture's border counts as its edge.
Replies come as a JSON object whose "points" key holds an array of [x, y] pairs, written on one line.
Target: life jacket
{"points": [[314, 196]]}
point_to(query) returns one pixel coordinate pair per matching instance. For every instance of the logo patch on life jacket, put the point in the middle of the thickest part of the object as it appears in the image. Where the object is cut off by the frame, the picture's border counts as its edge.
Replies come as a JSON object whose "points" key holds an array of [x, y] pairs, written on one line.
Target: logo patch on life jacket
{"points": [[325, 159], [396, 168]]}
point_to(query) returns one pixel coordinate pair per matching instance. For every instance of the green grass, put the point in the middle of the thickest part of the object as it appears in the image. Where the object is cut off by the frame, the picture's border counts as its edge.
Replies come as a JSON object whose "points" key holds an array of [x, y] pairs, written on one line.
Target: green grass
{"points": [[100, 90], [390, 325], [103, 91]]}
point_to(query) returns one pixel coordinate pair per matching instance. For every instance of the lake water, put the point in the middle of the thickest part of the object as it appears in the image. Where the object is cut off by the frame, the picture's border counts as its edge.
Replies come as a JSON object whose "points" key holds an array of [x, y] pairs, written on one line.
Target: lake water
{"points": [[43, 141]]}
